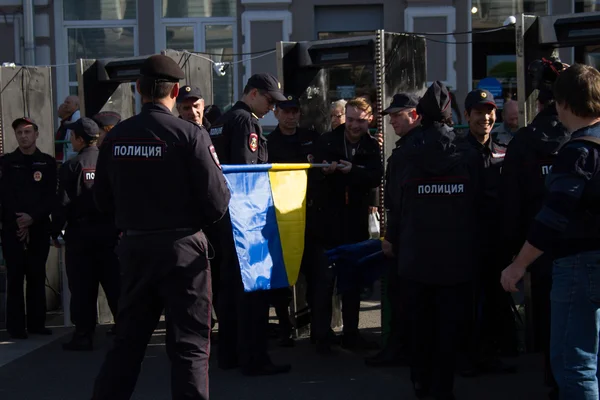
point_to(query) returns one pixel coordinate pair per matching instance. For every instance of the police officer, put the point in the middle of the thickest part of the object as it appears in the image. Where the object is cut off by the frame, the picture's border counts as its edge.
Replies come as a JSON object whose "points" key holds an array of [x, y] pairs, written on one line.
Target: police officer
{"points": [[244, 317], [495, 321], [406, 123], [288, 143], [433, 191], [340, 214], [162, 180], [90, 236], [27, 195], [106, 120], [528, 162], [190, 106]]}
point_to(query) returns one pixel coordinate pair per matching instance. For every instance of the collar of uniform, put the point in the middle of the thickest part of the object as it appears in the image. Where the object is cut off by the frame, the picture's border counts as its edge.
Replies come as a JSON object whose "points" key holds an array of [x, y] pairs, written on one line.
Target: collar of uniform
{"points": [[88, 149], [243, 106], [155, 106], [477, 144], [404, 138], [20, 154]]}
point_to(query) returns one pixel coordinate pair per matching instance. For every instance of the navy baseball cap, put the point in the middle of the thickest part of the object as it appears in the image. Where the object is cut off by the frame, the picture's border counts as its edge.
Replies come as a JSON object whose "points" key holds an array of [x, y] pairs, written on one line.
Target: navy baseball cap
{"points": [[291, 102], [85, 127], [401, 101], [479, 97], [268, 83], [24, 120], [189, 92], [106, 118]]}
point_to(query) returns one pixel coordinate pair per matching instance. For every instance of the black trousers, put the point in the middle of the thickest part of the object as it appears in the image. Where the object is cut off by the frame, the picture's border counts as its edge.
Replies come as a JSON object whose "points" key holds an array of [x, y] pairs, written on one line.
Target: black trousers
{"points": [[437, 321], [26, 262], [324, 282], [541, 287], [167, 271], [399, 337], [91, 263], [243, 317]]}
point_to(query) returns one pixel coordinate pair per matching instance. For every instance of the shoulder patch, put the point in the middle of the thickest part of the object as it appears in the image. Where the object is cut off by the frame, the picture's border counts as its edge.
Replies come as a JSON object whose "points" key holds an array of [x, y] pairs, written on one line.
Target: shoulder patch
{"points": [[253, 142], [216, 131], [214, 155], [151, 150], [89, 174]]}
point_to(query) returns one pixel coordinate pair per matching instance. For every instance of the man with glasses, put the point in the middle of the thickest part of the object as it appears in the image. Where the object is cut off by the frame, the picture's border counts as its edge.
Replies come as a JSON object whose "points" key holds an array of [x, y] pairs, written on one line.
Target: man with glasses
{"points": [[337, 112], [243, 317]]}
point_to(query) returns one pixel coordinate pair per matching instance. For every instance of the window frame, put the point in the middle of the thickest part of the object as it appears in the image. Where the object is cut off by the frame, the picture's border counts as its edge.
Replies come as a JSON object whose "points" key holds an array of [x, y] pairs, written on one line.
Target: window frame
{"points": [[449, 12], [61, 27], [199, 24]]}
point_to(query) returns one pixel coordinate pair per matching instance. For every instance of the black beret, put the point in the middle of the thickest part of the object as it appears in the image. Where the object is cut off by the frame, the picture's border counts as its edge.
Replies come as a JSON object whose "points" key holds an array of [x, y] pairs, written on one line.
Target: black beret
{"points": [[163, 68], [85, 127], [106, 118]]}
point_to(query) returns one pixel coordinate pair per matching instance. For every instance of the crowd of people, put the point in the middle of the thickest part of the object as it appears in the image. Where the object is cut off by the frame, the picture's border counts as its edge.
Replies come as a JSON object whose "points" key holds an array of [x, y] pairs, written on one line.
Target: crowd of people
{"points": [[142, 206]]}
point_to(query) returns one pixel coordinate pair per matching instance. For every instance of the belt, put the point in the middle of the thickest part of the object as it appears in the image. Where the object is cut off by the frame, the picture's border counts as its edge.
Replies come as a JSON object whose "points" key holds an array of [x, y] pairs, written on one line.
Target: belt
{"points": [[134, 232]]}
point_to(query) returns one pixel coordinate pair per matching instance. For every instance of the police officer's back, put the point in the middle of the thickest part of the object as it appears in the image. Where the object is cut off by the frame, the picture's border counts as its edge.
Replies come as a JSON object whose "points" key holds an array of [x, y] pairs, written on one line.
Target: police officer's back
{"points": [[164, 183], [28, 193], [434, 190], [90, 236]]}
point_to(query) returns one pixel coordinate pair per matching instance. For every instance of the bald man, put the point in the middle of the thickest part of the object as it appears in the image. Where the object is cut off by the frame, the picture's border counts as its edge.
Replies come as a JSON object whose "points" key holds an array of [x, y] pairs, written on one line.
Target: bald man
{"points": [[68, 112], [510, 115]]}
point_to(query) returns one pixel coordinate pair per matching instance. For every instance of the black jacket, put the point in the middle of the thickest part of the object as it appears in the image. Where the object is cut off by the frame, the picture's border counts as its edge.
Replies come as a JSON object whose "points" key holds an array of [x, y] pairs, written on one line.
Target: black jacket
{"points": [[76, 207], [238, 138], [156, 171], [340, 210], [528, 162], [433, 190], [296, 148], [27, 185]]}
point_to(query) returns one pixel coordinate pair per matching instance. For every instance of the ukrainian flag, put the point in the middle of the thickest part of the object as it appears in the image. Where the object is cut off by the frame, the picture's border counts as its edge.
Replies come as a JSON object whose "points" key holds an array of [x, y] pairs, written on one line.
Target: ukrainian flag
{"points": [[268, 214]]}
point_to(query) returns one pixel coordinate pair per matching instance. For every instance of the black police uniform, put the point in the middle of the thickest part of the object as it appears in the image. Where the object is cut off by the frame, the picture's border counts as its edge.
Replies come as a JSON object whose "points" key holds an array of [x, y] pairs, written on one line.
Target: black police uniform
{"points": [[90, 239], [398, 338], [433, 191], [296, 148], [494, 319], [27, 185], [243, 317], [339, 215], [162, 180], [527, 164]]}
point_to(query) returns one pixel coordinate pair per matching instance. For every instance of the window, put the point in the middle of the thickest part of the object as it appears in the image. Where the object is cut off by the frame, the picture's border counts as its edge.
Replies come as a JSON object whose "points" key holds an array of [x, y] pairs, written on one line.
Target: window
{"points": [[198, 8], [77, 10], [219, 43], [493, 13], [214, 38], [436, 20], [99, 43], [587, 6]]}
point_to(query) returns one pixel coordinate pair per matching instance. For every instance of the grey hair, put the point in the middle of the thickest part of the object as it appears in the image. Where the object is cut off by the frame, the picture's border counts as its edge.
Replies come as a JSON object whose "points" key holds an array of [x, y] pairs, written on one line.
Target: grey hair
{"points": [[338, 104]]}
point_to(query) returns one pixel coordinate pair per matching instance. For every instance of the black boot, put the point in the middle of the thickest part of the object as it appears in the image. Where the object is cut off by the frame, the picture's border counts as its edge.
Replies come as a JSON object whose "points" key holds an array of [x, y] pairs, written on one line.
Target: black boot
{"points": [[79, 342]]}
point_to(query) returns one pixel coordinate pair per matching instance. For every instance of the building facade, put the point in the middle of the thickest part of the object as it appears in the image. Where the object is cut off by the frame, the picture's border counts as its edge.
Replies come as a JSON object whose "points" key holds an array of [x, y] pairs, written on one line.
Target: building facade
{"points": [[236, 31]]}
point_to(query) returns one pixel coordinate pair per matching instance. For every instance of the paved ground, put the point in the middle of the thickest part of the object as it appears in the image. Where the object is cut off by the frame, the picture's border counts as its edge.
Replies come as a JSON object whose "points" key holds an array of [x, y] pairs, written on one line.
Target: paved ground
{"points": [[38, 369]]}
